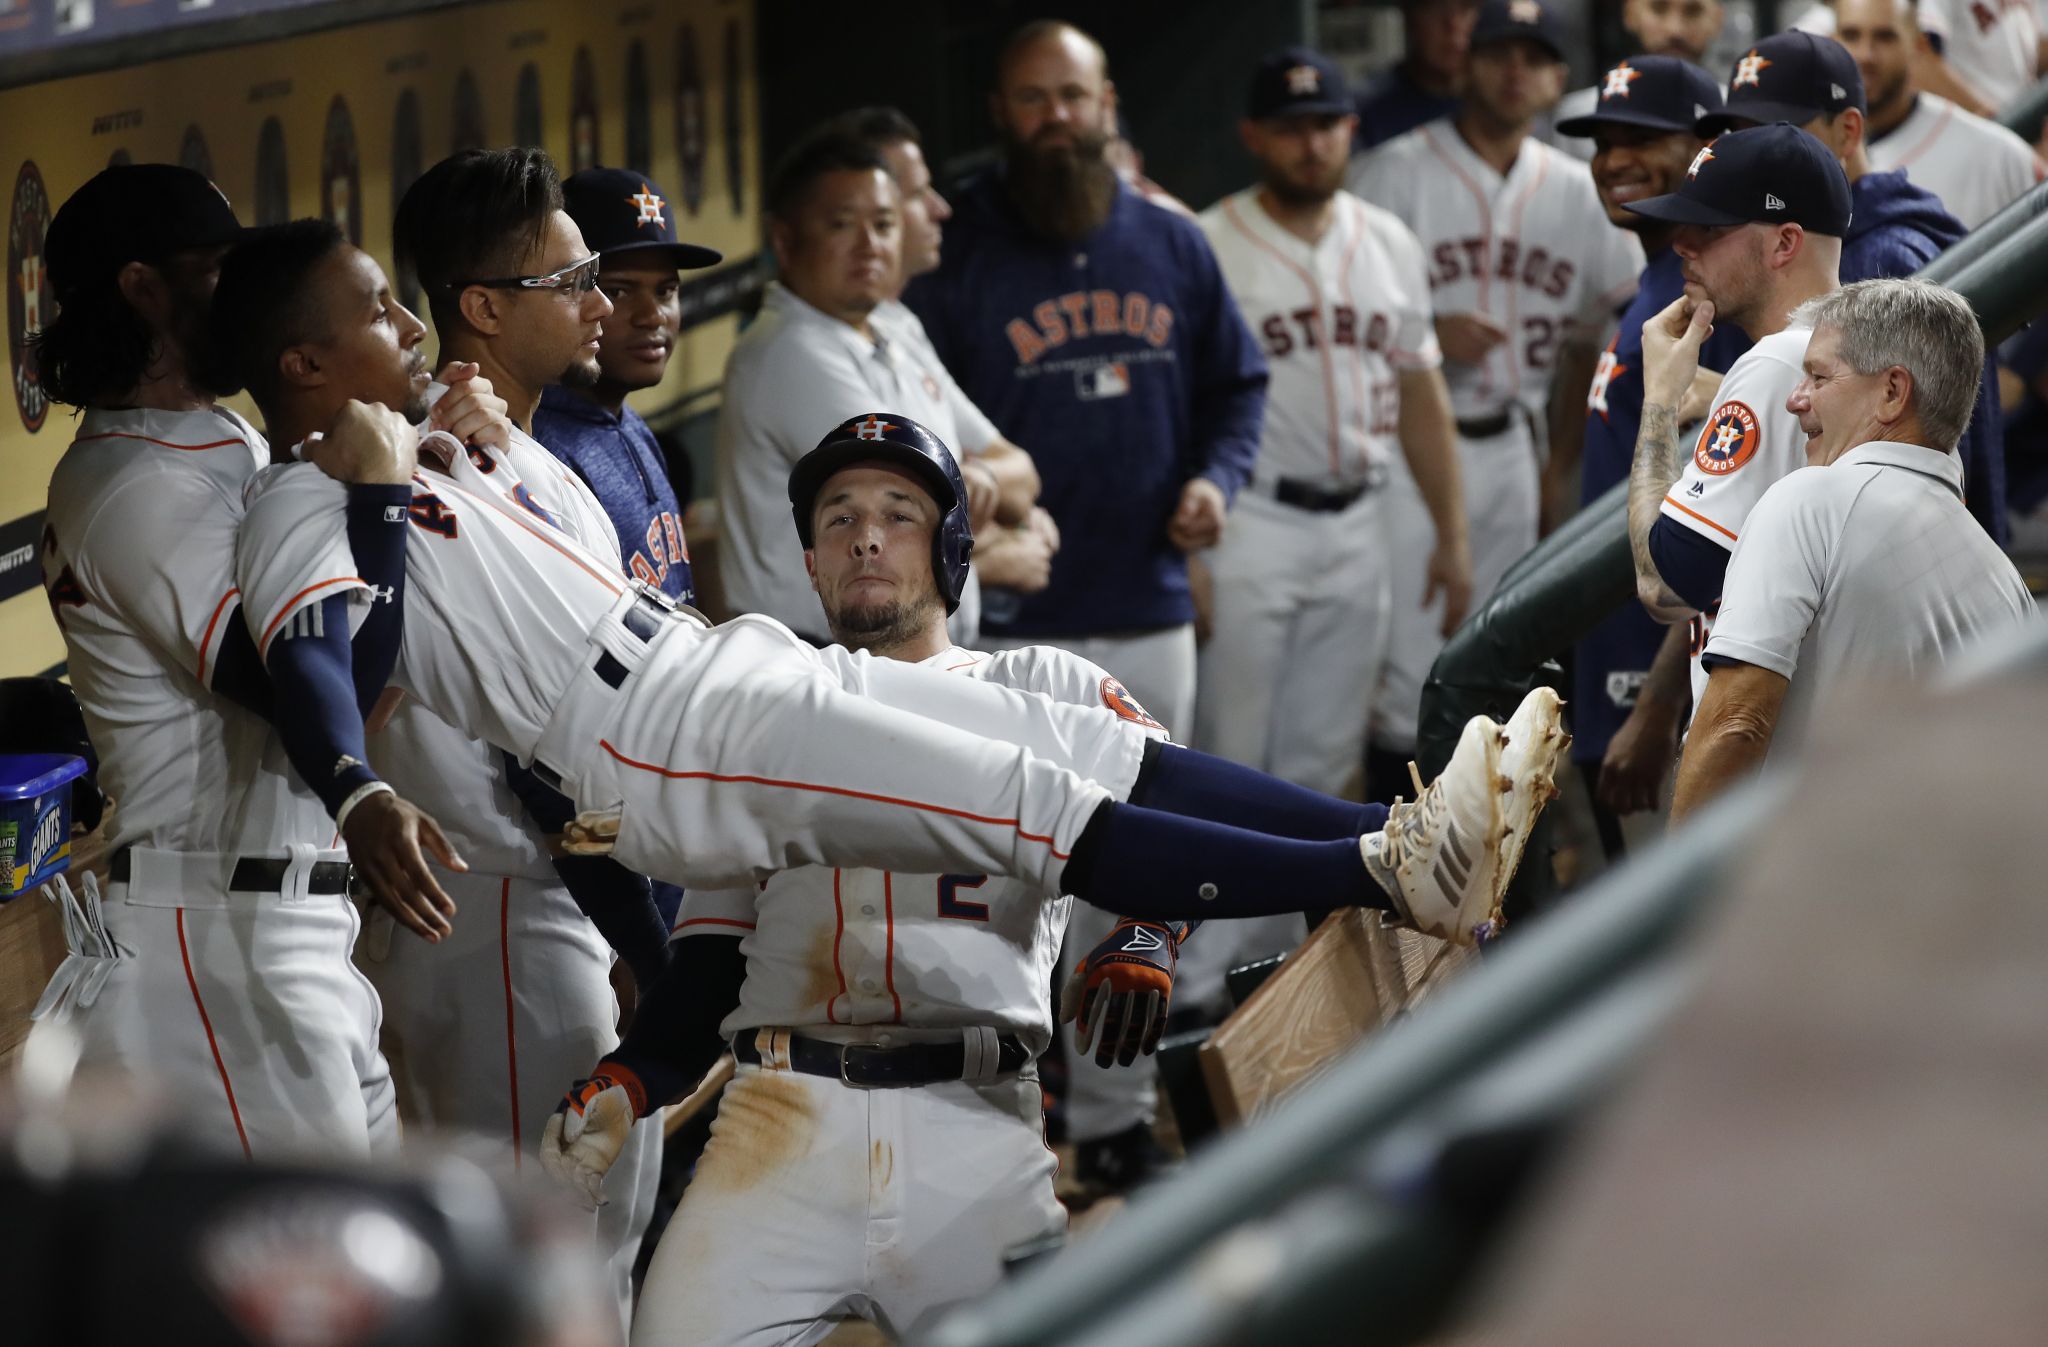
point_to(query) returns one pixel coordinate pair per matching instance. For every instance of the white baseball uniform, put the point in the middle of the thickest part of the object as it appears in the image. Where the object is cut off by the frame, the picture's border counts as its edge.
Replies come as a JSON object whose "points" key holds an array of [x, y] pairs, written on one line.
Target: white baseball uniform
{"points": [[793, 376], [485, 1027], [1993, 46], [824, 1200], [1867, 568], [1749, 442], [241, 1005], [1975, 166], [1533, 251], [738, 750]]}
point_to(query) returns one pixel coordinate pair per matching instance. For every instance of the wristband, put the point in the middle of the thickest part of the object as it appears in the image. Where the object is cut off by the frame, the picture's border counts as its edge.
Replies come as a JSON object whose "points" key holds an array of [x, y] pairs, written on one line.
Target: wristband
{"points": [[357, 796]]}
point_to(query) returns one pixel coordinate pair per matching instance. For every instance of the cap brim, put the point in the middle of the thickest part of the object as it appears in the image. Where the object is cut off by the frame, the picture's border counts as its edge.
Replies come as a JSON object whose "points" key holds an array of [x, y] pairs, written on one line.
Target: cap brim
{"points": [[1494, 39], [1758, 114], [1312, 107], [1593, 121], [1675, 209], [682, 256]]}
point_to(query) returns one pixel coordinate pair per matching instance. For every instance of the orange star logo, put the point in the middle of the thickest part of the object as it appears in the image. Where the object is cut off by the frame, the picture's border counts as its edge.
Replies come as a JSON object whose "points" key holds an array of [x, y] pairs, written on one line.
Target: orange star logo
{"points": [[1304, 79], [1700, 161], [1749, 70], [871, 428], [648, 204], [1618, 80]]}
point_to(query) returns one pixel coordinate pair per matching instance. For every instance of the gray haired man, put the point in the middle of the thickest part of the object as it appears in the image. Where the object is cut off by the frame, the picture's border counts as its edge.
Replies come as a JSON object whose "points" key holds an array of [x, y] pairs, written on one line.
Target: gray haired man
{"points": [[1864, 563]]}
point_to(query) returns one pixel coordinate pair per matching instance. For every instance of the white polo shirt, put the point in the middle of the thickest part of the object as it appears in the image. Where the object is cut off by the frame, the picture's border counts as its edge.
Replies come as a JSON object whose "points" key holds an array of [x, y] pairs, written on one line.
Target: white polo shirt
{"points": [[794, 375], [1975, 166], [1869, 567]]}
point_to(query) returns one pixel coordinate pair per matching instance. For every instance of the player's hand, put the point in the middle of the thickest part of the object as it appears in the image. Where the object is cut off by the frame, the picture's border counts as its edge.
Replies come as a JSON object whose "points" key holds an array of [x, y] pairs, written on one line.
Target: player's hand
{"points": [[1119, 995], [1019, 559], [1671, 350], [588, 1129], [984, 493], [367, 444], [1468, 338], [1044, 525], [1639, 756], [1449, 574], [1198, 522], [470, 410], [385, 834]]}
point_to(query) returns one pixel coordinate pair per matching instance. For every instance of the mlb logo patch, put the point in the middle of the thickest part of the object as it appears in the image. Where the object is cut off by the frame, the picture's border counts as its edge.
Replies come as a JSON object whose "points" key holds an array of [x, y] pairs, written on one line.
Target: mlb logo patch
{"points": [[1111, 379]]}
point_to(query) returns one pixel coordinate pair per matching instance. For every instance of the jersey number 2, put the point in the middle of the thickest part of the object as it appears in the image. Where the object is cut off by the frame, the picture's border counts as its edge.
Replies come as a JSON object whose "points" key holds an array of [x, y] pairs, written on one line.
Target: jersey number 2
{"points": [[950, 905]]}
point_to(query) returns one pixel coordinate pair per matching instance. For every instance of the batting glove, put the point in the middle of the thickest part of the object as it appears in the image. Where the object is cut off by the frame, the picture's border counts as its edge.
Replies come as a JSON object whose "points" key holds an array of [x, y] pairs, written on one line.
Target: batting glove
{"points": [[1120, 994], [589, 1128]]}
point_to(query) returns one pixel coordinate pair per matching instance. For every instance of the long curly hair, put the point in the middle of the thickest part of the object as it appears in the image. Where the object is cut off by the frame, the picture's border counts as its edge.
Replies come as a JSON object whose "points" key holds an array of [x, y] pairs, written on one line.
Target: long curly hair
{"points": [[96, 349]]}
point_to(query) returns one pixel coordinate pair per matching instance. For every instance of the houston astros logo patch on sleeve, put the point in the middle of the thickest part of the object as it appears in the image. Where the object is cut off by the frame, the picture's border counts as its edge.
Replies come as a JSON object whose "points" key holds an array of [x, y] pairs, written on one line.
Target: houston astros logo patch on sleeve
{"points": [[1728, 440], [1118, 699]]}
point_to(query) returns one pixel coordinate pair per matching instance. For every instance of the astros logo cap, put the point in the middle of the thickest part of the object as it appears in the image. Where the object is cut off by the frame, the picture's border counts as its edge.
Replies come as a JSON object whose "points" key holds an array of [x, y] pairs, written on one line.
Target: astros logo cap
{"points": [[1765, 175], [1297, 82], [1661, 93], [1790, 77], [623, 212]]}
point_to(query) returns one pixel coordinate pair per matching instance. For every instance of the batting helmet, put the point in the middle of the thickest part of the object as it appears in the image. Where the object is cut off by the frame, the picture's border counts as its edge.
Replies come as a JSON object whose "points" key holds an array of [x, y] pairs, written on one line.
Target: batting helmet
{"points": [[889, 438], [41, 715]]}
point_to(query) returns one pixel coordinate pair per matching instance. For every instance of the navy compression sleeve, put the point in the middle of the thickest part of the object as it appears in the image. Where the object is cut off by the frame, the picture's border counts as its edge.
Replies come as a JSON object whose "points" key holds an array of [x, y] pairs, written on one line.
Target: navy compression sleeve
{"points": [[674, 1037]]}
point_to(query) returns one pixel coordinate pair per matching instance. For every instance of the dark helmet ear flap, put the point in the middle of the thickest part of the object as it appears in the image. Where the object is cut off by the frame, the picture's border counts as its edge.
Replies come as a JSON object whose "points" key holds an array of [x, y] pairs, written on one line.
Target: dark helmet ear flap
{"points": [[890, 438]]}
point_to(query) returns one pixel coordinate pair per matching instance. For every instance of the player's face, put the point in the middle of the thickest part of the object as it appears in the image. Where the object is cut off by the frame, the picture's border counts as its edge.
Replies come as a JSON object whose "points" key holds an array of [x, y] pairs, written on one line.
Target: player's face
{"points": [[924, 210], [1634, 163], [647, 313], [552, 336], [370, 347], [1053, 94], [1681, 28], [1510, 82], [1440, 35], [842, 252], [1835, 405], [1301, 159], [871, 562], [1880, 35], [1726, 265]]}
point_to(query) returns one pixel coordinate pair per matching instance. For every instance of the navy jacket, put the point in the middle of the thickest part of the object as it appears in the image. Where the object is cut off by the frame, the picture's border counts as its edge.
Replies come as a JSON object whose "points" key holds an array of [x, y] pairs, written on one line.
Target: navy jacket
{"points": [[1123, 366], [621, 461]]}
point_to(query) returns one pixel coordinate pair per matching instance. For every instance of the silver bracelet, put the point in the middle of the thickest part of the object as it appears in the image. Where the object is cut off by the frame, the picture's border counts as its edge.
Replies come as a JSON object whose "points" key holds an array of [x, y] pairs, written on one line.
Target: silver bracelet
{"points": [[357, 796]]}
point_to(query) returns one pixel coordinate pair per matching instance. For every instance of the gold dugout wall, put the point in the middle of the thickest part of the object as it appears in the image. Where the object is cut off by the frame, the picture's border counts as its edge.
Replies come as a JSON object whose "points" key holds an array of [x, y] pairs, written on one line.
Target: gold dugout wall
{"points": [[338, 123]]}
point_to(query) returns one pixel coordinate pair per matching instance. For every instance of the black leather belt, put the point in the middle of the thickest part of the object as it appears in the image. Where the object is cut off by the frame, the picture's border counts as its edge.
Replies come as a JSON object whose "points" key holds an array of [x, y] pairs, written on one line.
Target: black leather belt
{"points": [[1486, 427], [868, 1067], [1320, 499], [256, 874]]}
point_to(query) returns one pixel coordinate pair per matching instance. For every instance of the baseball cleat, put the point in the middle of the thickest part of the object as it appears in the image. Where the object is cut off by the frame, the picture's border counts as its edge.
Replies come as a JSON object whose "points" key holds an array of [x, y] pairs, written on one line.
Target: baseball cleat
{"points": [[1534, 749], [1439, 858]]}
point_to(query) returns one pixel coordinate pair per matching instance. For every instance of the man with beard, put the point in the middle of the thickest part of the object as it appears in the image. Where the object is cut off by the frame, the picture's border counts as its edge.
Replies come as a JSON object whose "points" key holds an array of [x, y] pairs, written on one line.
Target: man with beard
{"points": [[1981, 55], [1630, 698], [1014, 538], [1425, 84], [630, 225], [821, 353], [1974, 165], [1525, 274], [1898, 226], [1096, 327], [1680, 29], [1300, 577]]}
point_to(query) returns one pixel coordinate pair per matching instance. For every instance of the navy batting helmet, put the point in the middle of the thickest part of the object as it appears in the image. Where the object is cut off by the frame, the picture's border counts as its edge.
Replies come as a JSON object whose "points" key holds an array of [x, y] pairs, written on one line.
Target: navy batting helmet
{"points": [[889, 438]]}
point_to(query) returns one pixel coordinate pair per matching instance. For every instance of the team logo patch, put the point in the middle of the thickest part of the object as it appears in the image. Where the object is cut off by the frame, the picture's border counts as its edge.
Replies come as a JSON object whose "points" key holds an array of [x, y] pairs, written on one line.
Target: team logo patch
{"points": [[1728, 440], [1304, 79], [1117, 698], [31, 302], [870, 428], [1750, 70], [648, 204], [1700, 161], [1618, 80]]}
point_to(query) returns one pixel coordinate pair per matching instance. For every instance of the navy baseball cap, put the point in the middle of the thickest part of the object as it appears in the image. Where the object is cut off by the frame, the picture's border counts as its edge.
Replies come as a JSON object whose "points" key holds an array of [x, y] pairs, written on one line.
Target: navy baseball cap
{"points": [[621, 212], [1790, 77], [1661, 93], [1506, 20], [1765, 175], [134, 213], [1297, 81]]}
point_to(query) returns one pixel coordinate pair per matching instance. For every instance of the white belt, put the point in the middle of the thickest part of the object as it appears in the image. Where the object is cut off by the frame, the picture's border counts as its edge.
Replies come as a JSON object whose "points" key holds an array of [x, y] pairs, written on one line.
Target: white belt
{"points": [[586, 708]]}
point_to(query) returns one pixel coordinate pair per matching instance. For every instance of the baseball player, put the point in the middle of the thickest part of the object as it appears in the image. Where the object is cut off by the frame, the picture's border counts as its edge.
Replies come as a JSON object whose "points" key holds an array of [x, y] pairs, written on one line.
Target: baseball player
{"points": [[1338, 292], [1979, 54], [1896, 227], [1864, 563], [1525, 274], [1630, 701], [935, 984], [1424, 84], [1760, 218], [1973, 164], [1683, 30], [220, 970]]}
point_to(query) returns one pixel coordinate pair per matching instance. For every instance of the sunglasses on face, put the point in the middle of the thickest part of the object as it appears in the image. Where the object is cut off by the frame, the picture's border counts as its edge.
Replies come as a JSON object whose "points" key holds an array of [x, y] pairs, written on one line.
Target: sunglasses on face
{"points": [[578, 278]]}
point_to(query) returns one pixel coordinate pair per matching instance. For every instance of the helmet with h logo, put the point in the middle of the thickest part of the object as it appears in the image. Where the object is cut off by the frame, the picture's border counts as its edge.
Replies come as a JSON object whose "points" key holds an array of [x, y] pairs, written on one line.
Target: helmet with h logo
{"points": [[883, 437]]}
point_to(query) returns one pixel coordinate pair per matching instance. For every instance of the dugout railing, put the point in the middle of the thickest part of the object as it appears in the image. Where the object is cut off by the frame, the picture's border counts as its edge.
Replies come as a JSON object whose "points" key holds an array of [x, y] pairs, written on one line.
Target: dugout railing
{"points": [[1380, 1184]]}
